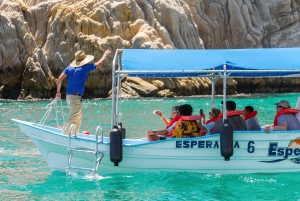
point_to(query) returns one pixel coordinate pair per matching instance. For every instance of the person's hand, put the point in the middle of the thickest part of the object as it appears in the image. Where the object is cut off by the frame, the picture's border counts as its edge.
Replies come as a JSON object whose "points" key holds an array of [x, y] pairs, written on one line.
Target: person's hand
{"points": [[159, 113], [268, 129], [58, 95]]}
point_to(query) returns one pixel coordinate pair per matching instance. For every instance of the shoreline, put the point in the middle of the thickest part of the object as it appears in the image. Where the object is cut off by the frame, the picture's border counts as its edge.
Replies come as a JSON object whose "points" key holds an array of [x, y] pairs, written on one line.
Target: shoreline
{"points": [[194, 96]]}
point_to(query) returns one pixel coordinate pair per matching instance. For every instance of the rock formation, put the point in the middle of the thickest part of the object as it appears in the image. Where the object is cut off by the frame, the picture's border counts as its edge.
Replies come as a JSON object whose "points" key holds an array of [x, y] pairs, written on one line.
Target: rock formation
{"points": [[38, 39]]}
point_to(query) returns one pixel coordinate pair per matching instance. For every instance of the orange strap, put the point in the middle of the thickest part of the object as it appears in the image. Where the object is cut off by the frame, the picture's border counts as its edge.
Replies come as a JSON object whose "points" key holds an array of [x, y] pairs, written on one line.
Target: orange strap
{"points": [[184, 118], [233, 113], [252, 114]]}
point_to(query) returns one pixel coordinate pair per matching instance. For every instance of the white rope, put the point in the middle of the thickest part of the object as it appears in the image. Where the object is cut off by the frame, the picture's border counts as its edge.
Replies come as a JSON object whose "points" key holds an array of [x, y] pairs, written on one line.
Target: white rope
{"points": [[49, 107]]}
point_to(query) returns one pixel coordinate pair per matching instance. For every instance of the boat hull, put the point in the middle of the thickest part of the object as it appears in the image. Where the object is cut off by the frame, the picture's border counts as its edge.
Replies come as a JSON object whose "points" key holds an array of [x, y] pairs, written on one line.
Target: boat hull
{"points": [[254, 152]]}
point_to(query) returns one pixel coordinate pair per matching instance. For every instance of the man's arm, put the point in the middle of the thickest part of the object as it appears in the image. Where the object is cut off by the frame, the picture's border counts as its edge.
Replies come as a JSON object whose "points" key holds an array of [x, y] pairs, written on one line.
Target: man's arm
{"points": [[282, 126], [101, 61], [159, 113], [59, 82], [279, 127], [282, 123], [161, 132]]}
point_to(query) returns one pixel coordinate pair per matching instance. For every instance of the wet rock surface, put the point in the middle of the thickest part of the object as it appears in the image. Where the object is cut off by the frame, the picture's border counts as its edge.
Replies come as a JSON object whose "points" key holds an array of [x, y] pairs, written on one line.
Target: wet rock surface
{"points": [[38, 39]]}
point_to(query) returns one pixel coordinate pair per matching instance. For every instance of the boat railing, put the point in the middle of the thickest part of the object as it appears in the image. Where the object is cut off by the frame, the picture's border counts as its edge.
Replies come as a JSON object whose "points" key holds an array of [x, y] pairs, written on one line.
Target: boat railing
{"points": [[97, 135], [80, 150], [72, 127]]}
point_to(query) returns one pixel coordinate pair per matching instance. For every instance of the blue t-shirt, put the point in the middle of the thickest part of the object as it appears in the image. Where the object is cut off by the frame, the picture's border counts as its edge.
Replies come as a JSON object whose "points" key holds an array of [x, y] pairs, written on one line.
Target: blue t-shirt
{"points": [[290, 120], [77, 77], [209, 127], [252, 124], [172, 126]]}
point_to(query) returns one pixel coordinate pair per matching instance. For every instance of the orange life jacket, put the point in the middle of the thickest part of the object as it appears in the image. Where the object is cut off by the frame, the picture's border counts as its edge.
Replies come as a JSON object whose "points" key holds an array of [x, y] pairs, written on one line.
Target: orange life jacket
{"points": [[184, 118], [285, 111], [252, 114], [173, 120], [233, 113], [229, 113]]}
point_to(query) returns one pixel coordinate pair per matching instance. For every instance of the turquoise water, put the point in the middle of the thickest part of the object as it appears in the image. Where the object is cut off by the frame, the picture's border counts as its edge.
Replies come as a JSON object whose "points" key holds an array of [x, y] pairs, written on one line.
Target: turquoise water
{"points": [[25, 175]]}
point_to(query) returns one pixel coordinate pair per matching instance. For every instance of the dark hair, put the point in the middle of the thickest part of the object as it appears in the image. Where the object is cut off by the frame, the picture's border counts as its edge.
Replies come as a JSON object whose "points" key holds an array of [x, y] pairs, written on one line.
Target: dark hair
{"points": [[249, 109], [185, 110]]}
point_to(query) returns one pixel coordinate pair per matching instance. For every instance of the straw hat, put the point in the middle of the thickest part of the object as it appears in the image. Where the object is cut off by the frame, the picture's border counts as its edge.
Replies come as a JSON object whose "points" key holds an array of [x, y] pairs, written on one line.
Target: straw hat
{"points": [[81, 59]]}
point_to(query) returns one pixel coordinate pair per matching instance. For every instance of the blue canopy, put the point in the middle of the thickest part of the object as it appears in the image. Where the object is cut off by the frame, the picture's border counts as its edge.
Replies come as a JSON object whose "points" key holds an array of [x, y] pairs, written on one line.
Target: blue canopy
{"points": [[267, 62]]}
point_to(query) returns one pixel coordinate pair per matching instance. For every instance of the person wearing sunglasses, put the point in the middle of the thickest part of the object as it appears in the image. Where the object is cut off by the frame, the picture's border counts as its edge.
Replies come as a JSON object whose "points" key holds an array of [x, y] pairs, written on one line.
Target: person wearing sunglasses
{"points": [[207, 127], [173, 117], [285, 118], [162, 134], [183, 110]]}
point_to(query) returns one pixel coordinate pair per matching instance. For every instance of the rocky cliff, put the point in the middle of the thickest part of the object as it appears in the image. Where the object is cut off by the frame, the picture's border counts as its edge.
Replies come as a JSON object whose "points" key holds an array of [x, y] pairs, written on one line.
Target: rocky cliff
{"points": [[38, 39]]}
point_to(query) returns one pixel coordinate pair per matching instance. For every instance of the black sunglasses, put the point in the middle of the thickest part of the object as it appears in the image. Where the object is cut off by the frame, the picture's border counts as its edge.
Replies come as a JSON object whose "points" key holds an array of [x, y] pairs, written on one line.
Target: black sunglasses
{"points": [[279, 106]]}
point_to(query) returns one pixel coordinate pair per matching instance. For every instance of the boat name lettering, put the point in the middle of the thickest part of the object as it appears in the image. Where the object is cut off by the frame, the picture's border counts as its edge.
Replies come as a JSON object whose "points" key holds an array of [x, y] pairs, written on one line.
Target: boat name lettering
{"points": [[200, 144], [274, 150]]}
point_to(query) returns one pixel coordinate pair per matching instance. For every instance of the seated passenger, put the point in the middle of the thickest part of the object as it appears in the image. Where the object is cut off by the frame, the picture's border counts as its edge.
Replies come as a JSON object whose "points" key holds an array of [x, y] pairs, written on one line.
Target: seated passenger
{"points": [[250, 119], [185, 128], [285, 118], [234, 118], [207, 127], [174, 116], [184, 110], [160, 135]]}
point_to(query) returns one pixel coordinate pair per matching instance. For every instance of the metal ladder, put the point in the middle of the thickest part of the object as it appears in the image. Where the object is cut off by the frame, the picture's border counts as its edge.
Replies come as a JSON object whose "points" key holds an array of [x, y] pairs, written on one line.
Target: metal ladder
{"points": [[83, 151]]}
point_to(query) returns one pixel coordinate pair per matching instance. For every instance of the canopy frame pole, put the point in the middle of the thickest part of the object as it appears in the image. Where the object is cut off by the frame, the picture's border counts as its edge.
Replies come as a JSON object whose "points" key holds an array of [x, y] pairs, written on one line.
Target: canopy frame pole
{"points": [[213, 87], [213, 80], [224, 93], [118, 98], [114, 93]]}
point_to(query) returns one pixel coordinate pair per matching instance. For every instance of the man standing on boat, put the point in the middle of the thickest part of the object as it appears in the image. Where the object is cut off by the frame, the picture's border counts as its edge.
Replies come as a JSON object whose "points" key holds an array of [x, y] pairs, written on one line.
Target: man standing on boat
{"points": [[77, 73], [234, 118]]}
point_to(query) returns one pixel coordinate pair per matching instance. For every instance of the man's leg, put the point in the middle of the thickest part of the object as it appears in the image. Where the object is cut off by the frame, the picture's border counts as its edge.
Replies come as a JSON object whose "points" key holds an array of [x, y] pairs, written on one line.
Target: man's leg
{"points": [[152, 137], [75, 116]]}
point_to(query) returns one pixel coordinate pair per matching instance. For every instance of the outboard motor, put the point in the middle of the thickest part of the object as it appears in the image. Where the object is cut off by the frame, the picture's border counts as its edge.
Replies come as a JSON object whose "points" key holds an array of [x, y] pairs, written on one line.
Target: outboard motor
{"points": [[123, 130], [116, 148], [226, 140]]}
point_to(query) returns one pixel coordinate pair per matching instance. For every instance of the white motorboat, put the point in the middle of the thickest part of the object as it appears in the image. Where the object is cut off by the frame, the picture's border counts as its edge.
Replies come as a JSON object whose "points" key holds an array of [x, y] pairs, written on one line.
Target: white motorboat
{"points": [[251, 151]]}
